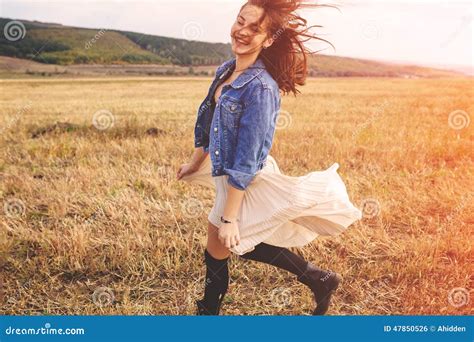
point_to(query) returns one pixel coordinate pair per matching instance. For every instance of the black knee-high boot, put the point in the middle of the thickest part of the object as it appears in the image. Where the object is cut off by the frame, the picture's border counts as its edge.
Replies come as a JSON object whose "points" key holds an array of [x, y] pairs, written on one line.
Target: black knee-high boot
{"points": [[216, 285], [321, 282]]}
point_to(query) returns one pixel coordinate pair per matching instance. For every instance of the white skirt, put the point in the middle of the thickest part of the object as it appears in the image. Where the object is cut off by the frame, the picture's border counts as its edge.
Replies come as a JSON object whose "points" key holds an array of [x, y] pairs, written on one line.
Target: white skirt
{"points": [[283, 210]]}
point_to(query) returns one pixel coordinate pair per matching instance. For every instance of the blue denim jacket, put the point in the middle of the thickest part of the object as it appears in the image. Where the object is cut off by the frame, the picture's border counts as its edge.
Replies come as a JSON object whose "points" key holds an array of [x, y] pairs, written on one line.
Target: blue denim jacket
{"points": [[238, 130]]}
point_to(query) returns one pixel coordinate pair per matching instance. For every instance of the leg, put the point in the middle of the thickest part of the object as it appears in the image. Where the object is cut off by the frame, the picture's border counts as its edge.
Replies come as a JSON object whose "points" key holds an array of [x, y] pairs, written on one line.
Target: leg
{"points": [[277, 256], [322, 283], [214, 246], [217, 274]]}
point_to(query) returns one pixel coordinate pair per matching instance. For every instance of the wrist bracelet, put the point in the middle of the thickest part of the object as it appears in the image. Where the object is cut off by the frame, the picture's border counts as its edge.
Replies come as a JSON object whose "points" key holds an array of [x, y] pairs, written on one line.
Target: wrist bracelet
{"points": [[223, 220]]}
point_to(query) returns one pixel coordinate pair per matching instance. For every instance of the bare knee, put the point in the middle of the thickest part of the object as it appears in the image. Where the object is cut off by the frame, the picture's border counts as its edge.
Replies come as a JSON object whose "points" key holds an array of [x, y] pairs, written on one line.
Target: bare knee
{"points": [[214, 246]]}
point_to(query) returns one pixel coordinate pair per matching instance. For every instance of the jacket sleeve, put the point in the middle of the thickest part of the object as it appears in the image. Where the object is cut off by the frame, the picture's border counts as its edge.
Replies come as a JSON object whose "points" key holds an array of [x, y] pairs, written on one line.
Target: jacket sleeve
{"points": [[198, 130], [254, 124]]}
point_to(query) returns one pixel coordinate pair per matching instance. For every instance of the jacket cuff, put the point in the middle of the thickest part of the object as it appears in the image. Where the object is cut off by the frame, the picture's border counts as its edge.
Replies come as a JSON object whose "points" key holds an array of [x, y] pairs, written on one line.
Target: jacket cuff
{"points": [[239, 180], [199, 143]]}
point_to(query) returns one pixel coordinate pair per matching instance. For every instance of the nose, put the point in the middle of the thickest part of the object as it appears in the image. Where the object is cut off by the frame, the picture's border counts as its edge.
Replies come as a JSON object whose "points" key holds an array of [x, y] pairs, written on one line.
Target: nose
{"points": [[243, 32]]}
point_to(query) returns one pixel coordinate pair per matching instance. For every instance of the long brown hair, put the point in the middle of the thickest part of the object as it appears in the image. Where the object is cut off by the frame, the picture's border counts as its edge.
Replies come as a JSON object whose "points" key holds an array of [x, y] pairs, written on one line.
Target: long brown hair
{"points": [[286, 58]]}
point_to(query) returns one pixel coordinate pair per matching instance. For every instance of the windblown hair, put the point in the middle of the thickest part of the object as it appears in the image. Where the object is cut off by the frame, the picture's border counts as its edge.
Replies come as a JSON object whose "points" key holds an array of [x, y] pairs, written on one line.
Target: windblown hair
{"points": [[286, 59]]}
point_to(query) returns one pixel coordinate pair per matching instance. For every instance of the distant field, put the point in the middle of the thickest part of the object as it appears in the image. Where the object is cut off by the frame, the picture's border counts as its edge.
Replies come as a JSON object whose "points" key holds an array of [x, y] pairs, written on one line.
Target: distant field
{"points": [[94, 222], [15, 68], [320, 66]]}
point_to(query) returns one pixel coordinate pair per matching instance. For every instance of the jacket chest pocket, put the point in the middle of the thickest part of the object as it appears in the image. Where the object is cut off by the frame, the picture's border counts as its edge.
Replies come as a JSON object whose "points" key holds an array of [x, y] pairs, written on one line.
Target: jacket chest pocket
{"points": [[231, 110]]}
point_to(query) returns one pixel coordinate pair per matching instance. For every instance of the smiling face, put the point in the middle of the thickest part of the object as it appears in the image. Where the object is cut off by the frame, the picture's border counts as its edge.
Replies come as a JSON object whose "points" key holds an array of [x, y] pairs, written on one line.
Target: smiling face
{"points": [[247, 36]]}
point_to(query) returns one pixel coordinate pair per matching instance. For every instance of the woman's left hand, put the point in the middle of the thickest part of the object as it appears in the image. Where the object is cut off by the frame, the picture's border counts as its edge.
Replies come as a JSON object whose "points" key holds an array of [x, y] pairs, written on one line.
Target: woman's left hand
{"points": [[229, 234], [186, 169]]}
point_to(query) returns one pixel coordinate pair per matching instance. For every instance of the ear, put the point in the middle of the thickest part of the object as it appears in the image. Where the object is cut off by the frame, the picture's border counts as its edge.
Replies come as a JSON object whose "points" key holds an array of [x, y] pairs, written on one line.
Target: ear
{"points": [[268, 42]]}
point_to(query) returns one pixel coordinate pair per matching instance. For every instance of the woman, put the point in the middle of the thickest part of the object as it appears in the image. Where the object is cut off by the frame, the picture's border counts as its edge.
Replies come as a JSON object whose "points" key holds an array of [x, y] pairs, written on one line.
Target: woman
{"points": [[259, 212]]}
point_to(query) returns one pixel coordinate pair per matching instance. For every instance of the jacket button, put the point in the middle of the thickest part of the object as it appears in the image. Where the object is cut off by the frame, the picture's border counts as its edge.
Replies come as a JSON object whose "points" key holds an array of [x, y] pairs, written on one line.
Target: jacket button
{"points": [[215, 129], [217, 153]]}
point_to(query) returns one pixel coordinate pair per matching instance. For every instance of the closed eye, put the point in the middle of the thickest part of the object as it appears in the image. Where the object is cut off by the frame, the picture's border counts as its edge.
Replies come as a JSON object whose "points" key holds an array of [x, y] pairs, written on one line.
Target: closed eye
{"points": [[241, 21]]}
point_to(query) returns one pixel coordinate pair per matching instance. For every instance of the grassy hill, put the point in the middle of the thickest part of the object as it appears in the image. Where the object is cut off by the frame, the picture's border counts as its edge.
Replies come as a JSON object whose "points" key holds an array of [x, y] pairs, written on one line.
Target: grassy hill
{"points": [[65, 45], [335, 66], [93, 51], [181, 51]]}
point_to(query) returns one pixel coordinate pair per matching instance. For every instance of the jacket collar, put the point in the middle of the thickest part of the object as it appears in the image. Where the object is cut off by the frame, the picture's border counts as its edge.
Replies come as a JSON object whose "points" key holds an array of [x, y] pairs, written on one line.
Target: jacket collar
{"points": [[249, 74]]}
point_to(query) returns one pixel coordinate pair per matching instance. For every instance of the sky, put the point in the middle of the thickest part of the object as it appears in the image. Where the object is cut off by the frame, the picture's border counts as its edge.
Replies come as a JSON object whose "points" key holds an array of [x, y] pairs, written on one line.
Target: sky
{"points": [[423, 32]]}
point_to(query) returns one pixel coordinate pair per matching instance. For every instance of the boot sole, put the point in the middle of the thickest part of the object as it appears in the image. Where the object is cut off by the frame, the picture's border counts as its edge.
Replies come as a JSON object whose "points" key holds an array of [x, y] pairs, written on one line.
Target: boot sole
{"points": [[202, 310], [322, 305]]}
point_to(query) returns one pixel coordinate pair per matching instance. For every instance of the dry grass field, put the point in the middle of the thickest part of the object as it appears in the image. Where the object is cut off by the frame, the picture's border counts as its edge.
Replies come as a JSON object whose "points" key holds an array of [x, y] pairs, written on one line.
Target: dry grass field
{"points": [[93, 221]]}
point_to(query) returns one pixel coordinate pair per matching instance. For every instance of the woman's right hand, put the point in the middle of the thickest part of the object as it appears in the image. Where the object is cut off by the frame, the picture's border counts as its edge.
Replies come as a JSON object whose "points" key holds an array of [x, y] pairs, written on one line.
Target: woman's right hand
{"points": [[186, 169], [229, 234]]}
